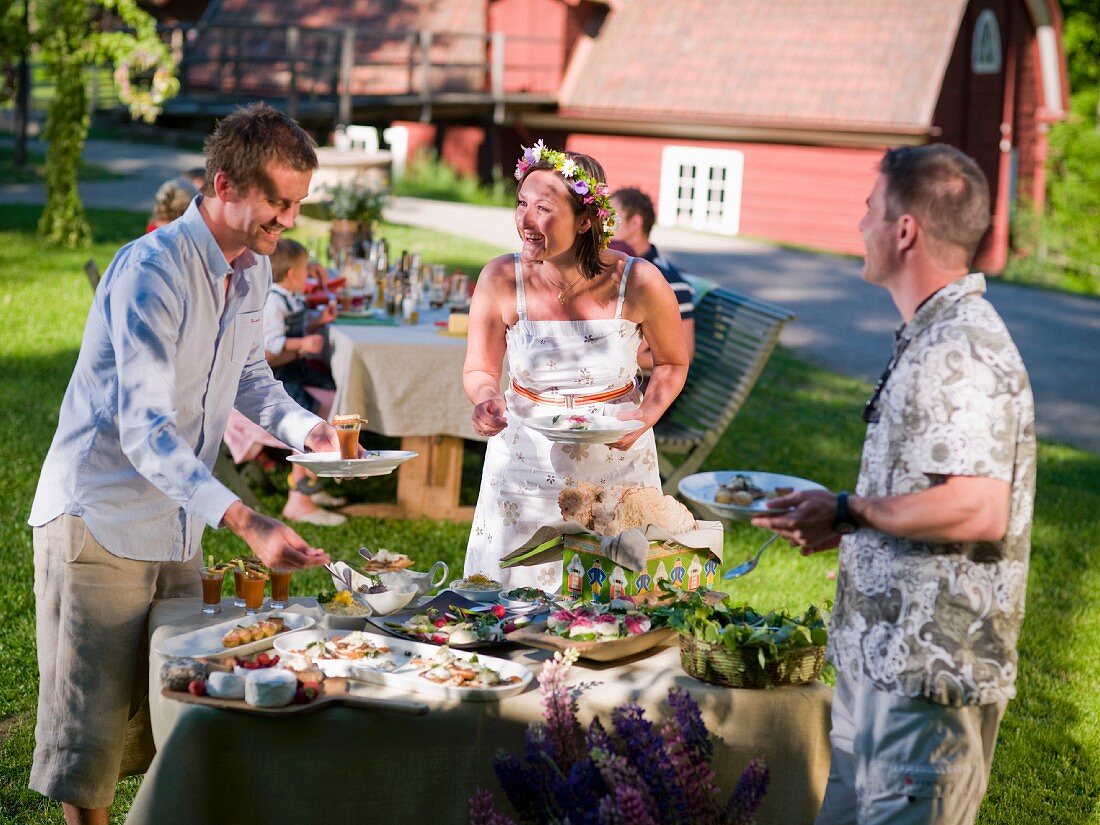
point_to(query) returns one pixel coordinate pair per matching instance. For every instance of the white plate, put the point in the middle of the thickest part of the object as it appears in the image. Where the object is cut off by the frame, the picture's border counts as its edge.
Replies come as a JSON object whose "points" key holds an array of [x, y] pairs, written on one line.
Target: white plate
{"points": [[374, 463], [604, 429], [474, 594], [207, 641], [287, 645], [702, 487], [407, 677]]}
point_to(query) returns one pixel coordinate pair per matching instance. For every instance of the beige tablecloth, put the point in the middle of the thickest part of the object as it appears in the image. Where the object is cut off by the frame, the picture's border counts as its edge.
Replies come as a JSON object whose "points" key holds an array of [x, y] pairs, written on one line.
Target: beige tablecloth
{"points": [[354, 765], [406, 380]]}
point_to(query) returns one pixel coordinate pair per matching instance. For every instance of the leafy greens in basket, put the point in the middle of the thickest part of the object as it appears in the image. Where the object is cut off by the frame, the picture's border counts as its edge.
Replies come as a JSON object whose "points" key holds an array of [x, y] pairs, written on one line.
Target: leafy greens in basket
{"points": [[743, 627]]}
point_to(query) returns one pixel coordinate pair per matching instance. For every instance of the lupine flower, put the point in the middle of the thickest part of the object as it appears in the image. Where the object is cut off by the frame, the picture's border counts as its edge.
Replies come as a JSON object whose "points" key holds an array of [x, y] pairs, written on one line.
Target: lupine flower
{"points": [[641, 774], [749, 793]]}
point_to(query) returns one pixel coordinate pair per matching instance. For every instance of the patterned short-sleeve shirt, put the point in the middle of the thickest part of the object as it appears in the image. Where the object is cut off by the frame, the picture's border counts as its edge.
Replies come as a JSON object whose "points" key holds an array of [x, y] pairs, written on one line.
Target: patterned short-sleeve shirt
{"points": [[942, 620]]}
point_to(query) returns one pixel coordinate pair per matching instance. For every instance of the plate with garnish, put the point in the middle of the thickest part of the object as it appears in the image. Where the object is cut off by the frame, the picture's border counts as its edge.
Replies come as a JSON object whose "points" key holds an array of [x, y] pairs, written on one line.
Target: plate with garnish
{"points": [[569, 427]]}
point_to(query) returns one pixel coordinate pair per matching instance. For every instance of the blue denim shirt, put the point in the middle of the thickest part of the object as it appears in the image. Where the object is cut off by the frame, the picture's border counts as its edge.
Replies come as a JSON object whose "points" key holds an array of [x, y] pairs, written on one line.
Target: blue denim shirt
{"points": [[167, 353]]}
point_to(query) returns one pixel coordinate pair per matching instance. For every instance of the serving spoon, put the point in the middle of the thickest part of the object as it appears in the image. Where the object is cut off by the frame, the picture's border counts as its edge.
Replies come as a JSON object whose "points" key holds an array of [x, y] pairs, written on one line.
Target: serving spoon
{"points": [[750, 565]]}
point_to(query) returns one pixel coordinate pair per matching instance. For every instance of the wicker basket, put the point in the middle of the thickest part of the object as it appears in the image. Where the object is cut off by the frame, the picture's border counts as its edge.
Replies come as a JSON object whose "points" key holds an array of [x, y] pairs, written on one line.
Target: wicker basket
{"points": [[719, 665]]}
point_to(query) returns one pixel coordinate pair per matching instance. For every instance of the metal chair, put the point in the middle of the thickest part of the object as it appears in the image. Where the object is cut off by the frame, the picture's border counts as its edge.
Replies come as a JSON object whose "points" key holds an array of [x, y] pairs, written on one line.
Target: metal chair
{"points": [[734, 337]]}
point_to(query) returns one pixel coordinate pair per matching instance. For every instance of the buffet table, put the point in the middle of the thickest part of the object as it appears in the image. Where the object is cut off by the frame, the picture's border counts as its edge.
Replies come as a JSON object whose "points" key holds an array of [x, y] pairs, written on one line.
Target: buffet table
{"points": [[355, 765], [407, 382]]}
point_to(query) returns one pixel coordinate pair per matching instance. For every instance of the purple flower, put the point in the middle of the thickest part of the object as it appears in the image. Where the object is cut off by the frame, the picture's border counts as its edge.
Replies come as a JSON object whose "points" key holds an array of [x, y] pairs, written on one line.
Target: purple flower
{"points": [[580, 187], [482, 811], [749, 793], [530, 155]]}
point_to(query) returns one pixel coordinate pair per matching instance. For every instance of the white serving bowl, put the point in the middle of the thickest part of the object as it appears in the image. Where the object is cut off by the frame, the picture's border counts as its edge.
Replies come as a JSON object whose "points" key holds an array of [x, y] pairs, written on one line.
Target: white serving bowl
{"points": [[474, 594], [395, 597]]}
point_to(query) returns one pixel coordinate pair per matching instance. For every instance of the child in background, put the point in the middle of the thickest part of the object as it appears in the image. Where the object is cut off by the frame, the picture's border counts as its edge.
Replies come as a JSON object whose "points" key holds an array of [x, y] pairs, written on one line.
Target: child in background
{"points": [[293, 334]]}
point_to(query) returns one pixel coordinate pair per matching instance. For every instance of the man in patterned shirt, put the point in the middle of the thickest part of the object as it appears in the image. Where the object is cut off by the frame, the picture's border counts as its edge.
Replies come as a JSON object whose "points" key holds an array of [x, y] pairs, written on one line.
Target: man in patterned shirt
{"points": [[934, 544]]}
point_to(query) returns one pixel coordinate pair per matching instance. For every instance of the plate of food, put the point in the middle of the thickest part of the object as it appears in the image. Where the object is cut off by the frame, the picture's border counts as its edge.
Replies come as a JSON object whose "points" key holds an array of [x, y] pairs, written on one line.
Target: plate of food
{"points": [[452, 620], [599, 632], [373, 463], [741, 494], [570, 427], [440, 671], [477, 588], [333, 651], [520, 599], [245, 634]]}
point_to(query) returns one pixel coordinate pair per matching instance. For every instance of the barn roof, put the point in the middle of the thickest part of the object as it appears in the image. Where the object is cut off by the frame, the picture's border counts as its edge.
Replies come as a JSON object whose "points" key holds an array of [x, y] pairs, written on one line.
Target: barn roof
{"points": [[850, 65]]}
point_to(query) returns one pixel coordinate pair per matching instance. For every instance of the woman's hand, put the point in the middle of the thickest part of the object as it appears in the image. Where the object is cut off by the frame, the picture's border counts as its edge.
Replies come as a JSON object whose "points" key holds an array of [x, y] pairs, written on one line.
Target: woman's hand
{"points": [[489, 417], [627, 441]]}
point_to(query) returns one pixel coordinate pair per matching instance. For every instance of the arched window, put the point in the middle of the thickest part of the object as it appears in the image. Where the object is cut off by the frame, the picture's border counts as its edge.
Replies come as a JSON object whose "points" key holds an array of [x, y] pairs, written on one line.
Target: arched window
{"points": [[985, 49]]}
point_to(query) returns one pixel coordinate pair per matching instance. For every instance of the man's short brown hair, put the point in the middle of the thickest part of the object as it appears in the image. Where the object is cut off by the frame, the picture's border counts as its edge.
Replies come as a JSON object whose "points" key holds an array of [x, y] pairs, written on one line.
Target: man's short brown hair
{"points": [[287, 253], [943, 188], [254, 137], [636, 202]]}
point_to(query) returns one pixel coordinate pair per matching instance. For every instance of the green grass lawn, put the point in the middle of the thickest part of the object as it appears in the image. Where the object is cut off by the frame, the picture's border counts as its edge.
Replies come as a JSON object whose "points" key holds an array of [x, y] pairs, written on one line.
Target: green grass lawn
{"points": [[799, 420]]}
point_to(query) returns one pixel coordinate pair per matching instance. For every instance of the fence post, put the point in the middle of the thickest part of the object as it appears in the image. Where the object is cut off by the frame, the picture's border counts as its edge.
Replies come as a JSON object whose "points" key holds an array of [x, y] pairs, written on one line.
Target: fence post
{"points": [[496, 75], [425, 76], [347, 64], [292, 45]]}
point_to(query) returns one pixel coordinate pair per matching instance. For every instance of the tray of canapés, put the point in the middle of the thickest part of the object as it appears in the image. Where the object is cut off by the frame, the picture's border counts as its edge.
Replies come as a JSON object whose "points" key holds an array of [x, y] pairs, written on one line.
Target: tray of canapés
{"points": [[456, 621], [234, 637], [266, 684], [600, 632]]}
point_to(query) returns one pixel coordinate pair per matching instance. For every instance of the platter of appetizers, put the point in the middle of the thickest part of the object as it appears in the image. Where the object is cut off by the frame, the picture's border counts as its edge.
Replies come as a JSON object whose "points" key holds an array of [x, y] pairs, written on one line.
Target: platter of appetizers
{"points": [[452, 620], [245, 634], [332, 651], [439, 671], [599, 632]]}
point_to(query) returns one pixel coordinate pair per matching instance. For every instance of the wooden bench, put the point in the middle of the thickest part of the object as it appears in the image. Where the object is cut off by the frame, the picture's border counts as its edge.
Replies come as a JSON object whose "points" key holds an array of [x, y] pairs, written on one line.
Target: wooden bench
{"points": [[734, 337], [92, 271]]}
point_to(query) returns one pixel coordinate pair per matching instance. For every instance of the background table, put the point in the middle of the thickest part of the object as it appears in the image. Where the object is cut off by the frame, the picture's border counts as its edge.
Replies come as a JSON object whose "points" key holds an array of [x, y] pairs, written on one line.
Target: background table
{"points": [[407, 382], [352, 765]]}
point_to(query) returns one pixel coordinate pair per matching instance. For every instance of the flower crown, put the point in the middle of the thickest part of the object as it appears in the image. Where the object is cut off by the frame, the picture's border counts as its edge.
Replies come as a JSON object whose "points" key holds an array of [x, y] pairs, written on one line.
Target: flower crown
{"points": [[590, 190]]}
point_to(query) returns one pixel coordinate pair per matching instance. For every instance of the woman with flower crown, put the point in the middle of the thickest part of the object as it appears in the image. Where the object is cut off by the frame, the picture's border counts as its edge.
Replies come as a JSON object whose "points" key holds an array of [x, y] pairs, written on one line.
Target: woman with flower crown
{"points": [[570, 314]]}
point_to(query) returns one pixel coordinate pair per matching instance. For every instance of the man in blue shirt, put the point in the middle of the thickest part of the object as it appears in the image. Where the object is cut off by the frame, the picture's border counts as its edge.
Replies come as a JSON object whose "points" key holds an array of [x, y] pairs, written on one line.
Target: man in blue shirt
{"points": [[636, 219], [173, 342]]}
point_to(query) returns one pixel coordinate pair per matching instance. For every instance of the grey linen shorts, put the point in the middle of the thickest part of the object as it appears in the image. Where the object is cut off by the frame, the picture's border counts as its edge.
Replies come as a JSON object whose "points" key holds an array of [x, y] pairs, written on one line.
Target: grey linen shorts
{"points": [[899, 760], [91, 610]]}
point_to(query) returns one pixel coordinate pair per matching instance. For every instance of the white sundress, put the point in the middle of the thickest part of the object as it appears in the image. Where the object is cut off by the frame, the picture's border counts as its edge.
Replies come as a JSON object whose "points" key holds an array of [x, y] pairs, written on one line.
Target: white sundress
{"points": [[524, 471]]}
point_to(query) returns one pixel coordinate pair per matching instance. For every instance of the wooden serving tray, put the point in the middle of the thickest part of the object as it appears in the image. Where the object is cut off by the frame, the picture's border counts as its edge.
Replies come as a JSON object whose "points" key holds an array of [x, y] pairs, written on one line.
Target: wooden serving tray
{"points": [[536, 635], [333, 691]]}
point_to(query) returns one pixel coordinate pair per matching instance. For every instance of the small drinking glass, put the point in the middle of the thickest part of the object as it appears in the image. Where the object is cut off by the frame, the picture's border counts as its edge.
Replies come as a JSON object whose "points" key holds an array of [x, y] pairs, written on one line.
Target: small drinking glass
{"points": [[238, 587], [280, 588], [347, 430], [212, 589], [253, 584]]}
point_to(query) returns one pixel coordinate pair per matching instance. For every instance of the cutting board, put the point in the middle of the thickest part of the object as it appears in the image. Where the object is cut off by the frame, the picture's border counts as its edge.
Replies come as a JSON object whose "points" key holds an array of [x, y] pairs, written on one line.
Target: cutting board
{"points": [[334, 691]]}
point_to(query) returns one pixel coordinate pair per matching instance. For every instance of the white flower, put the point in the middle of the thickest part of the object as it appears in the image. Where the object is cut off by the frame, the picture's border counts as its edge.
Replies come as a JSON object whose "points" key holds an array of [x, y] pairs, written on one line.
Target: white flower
{"points": [[568, 168], [609, 226], [538, 149]]}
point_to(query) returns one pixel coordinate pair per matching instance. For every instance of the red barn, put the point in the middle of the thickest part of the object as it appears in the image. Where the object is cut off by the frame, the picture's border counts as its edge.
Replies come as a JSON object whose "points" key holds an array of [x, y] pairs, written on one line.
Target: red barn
{"points": [[758, 117]]}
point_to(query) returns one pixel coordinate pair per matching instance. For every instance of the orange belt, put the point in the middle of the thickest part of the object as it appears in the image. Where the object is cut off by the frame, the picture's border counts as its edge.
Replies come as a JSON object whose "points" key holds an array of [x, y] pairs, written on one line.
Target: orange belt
{"points": [[578, 400]]}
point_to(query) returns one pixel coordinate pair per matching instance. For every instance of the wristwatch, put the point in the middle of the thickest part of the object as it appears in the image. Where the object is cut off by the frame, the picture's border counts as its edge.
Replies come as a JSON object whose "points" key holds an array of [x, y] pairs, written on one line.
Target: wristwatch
{"points": [[844, 522]]}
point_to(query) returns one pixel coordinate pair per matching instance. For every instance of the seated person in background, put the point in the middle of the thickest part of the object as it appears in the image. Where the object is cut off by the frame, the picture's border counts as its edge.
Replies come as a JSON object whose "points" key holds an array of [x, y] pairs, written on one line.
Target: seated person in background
{"points": [[636, 219], [292, 332], [171, 201], [196, 177]]}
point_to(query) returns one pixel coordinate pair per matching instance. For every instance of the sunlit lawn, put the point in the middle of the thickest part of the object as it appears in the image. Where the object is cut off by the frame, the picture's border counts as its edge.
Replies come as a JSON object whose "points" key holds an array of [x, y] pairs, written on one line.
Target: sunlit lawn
{"points": [[799, 420]]}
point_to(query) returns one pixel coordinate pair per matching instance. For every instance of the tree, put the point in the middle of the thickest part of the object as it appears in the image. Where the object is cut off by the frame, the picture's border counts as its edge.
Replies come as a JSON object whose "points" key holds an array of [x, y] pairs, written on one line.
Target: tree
{"points": [[68, 43]]}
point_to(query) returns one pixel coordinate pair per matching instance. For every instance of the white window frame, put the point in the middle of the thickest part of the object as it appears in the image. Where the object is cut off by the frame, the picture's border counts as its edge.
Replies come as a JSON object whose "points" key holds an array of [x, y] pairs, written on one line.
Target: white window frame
{"points": [[982, 62], [669, 211]]}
